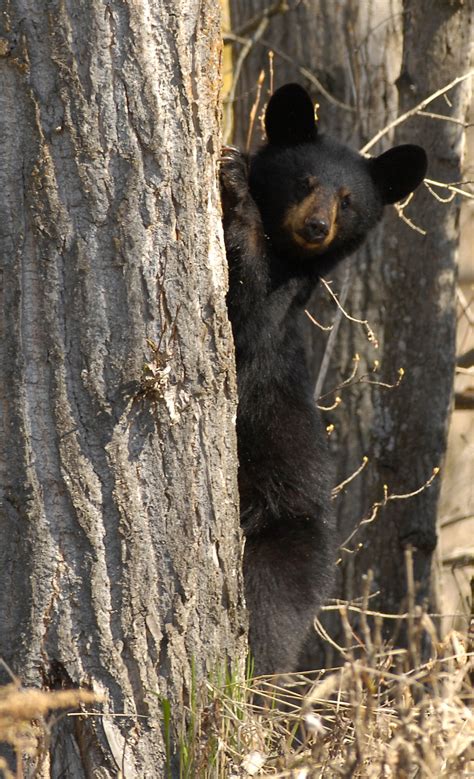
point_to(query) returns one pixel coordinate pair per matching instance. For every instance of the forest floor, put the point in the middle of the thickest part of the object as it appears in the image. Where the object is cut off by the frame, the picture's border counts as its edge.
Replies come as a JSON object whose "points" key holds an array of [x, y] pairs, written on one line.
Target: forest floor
{"points": [[384, 712]]}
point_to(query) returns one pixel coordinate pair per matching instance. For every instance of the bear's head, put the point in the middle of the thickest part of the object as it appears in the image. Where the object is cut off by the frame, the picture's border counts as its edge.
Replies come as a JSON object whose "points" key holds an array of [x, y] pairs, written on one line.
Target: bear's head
{"points": [[319, 198]]}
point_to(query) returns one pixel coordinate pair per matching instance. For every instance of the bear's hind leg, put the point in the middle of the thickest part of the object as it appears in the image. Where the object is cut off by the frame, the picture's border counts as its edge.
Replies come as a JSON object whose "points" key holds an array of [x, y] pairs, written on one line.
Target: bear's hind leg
{"points": [[287, 574]]}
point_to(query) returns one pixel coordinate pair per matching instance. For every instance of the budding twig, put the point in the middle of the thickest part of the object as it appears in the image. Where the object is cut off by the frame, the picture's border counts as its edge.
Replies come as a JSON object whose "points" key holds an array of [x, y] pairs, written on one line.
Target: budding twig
{"points": [[370, 333], [337, 489], [380, 504]]}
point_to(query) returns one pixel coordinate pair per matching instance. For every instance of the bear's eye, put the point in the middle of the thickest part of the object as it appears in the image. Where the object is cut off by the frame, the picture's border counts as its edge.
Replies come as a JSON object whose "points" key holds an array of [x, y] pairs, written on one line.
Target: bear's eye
{"points": [[307, 185], [345, 201]]}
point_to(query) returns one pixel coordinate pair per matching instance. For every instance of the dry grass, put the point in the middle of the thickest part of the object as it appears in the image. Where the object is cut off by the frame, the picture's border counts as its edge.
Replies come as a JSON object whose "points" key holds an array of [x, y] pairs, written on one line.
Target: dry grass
{"points": [[382, 713], [26, 718]]}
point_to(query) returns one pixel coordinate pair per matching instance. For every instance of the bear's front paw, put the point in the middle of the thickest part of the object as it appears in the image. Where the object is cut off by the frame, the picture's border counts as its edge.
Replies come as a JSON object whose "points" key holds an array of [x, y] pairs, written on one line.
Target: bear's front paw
{"points": [[233, 176]]}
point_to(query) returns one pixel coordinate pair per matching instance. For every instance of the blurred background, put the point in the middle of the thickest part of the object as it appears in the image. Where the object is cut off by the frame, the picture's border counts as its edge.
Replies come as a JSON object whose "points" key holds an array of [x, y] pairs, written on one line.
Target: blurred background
{"points": [[367, 65]]}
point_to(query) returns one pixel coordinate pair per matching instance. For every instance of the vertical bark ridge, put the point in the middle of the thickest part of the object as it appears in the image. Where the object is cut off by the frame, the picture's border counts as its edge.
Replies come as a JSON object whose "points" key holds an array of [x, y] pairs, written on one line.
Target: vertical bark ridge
{"points": [[121, 530]]}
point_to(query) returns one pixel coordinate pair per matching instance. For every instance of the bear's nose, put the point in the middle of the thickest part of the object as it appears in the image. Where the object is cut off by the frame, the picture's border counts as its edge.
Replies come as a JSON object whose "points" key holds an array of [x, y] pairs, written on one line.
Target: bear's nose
{"points": [[316, 228]]}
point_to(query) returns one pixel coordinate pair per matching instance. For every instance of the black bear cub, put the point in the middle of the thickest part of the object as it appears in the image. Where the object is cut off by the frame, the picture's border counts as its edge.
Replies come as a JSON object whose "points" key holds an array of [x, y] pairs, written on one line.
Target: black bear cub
{"points": [[291, 213]]}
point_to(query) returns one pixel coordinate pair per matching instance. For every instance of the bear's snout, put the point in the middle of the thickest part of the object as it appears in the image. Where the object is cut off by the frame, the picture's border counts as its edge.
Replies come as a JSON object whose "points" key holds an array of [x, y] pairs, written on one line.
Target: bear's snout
{"points": [[315, 229]]}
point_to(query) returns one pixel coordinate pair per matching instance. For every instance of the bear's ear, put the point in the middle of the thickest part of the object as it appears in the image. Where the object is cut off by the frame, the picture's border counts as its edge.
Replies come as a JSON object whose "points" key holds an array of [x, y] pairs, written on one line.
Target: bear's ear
{"points": [[289, 118], [398, 171]]}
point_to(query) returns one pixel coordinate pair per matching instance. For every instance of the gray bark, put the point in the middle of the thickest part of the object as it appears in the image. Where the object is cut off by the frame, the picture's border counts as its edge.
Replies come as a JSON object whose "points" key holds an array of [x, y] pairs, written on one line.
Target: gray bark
{"points": [[376, 60], [410, 432], [120, 552]]}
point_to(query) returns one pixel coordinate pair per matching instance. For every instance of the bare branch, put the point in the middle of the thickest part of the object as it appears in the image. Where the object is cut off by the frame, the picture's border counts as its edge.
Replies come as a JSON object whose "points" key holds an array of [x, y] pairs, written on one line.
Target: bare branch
{"points": [[460, 558], [364, 379], [339, 487], [400, 211], [254, 109], [464, 401], [465, 305], [415, 110], [406, 495], [444, 118], [243, 54], [281, 7], [337, 401], [454, 520], [381, 504], [315, 322], [429, 183], [346, 382], [332, 336], [230, 37], [370, 333], [466, 360]]}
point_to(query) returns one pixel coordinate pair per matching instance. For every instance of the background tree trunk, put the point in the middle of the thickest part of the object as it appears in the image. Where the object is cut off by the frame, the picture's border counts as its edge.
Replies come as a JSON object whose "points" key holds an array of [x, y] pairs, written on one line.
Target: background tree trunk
{"points": [[120, 552], [366, 63]]}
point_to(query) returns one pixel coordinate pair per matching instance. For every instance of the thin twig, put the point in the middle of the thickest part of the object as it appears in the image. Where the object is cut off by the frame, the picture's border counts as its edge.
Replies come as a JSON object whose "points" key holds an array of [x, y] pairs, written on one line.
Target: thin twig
{"points": [[243, 54], [465, 305], [279, 8], [337, 402], [453, 520], [351, 381], [337, 489], [464, 401], [322, 632], [405, 218], [254, 109], [411, 598], [370, 333], [382, 503], [460, 558], [444, 118], [429, 183], [363, 380], [346, 382], [406, 495], [466, 360], [403, 615], [230, 37], [332, 336], [419, 107], [318, 324]]}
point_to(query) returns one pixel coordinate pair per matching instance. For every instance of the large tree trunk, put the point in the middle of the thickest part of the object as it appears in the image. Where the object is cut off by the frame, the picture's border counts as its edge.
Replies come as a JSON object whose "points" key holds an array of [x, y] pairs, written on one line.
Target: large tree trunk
{"points": [[120, 550], [410, 431], [365, 63]]}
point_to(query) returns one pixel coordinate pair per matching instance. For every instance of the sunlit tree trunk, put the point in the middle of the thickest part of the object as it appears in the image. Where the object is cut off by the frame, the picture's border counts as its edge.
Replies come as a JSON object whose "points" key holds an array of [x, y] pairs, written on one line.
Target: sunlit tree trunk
{"points": [[120, 544], [366, 63]]}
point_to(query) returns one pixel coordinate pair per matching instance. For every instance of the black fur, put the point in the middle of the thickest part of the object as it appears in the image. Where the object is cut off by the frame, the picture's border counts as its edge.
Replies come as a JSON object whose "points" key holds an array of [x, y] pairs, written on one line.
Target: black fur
{"points": [[291, 212]]}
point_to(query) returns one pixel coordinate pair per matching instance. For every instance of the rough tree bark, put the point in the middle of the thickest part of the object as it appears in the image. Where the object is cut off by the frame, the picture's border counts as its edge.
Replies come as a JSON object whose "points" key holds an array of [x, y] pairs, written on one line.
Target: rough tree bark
{"points": [[410, 432], [120, 551], [373, 61]]}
